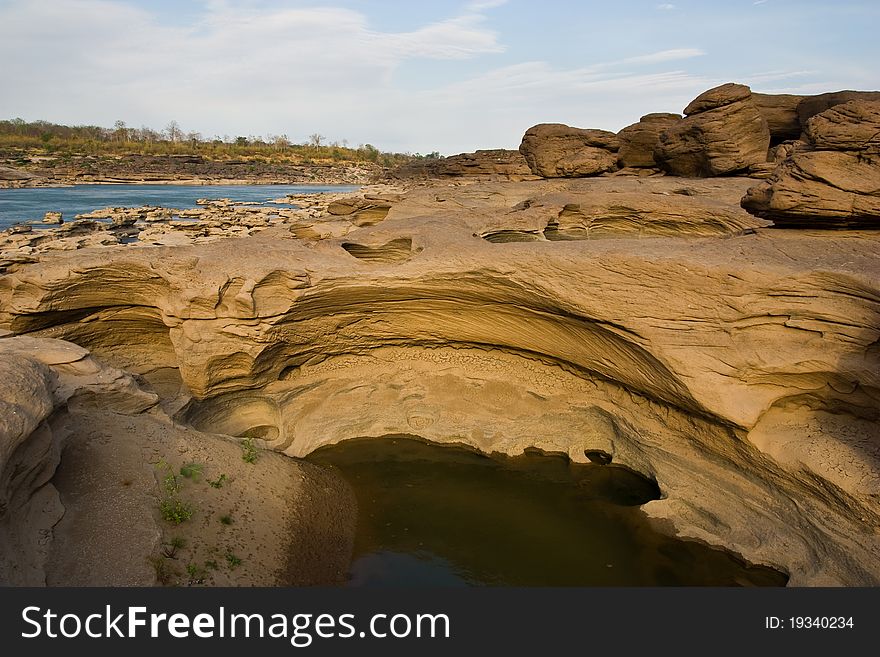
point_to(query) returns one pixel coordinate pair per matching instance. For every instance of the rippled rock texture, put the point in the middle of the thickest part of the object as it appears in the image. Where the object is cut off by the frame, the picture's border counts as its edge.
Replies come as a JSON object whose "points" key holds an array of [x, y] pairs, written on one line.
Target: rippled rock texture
{"points": [[723, 132], [832, 180], [649, 319]]}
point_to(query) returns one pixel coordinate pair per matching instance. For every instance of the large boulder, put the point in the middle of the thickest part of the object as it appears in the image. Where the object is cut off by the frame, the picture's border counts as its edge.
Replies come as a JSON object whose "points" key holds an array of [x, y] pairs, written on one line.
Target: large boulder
{"points": [[555, 150], [723, 133], [781, 113], [836, 184], [638, 141], [854, 126]]}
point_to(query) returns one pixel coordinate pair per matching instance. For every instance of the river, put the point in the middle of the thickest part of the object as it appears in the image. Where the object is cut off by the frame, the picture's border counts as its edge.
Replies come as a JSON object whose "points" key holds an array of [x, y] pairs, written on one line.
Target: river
{"points": [[31, 204]]}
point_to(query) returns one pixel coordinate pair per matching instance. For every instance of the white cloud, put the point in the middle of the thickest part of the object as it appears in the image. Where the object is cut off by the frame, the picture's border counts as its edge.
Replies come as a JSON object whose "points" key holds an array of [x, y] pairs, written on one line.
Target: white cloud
{"points": [[290, 70], [666, 6], [483, 5], [664, 56], [241, 68], [759, 2]]}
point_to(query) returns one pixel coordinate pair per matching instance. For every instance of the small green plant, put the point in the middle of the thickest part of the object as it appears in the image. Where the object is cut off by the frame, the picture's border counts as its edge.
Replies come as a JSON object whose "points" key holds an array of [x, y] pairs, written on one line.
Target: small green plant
{"points": [[169, 549], [169, 482], [219, 481], [232, 561], [211, 565], [192, 470], [249, 452], [226, 520], [166, 573], [196, 574], [175, 511], [171, 507]]}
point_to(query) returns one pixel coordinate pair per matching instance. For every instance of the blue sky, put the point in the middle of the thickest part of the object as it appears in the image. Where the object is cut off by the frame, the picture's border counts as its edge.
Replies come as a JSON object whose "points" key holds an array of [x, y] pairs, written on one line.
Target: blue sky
{"points": [[413, 76]]}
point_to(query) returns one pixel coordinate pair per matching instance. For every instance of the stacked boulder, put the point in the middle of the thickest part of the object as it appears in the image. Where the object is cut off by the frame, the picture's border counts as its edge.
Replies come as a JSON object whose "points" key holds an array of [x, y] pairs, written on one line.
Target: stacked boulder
{"points": [[832, 179], [555, 150], [727, 130], [638, 141], [722, 133]]}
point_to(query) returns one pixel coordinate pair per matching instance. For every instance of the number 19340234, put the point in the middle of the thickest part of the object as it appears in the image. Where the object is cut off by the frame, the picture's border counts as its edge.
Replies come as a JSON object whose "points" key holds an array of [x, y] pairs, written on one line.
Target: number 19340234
{"points": [[809, 623]]}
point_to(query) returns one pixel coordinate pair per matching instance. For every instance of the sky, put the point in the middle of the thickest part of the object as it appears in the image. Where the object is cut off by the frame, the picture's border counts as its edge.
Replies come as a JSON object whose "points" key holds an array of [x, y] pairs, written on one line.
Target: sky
{"points": [[415, 76]]}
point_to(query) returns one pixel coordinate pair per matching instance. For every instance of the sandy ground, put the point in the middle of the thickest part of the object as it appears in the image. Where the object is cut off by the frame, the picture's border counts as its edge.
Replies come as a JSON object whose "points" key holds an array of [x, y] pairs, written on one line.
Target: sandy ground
{"points": [[278, 521]]}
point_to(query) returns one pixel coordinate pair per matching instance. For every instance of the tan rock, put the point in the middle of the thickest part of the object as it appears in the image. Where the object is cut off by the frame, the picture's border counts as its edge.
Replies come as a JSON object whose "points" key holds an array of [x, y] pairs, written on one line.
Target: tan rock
{"points": [[735, 366], [812, 105], [497, 164], [780, 112], [820, 189], [720, 96], [554, 150], [836, 185], [638, 141], [12, 173], [723, 133], [852, 126]]}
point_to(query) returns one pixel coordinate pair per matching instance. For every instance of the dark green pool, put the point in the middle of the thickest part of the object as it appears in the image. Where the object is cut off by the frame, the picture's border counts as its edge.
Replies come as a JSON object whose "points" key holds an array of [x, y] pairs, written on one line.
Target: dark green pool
{"points": [[441, 515]]}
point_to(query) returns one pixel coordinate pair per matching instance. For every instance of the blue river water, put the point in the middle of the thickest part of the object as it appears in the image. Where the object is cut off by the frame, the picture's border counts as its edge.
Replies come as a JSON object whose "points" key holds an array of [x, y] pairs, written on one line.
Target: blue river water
{"points": [[31, 204]]}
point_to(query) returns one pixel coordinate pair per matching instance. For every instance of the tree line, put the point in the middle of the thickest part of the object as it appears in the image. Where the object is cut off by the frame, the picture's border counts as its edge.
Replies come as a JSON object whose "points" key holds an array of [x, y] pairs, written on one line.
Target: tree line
{"points": [[124, 139]]}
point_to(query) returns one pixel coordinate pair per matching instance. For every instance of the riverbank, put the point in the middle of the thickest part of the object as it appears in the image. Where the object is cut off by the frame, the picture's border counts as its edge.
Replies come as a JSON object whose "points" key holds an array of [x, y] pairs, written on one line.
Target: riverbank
{"points": [[43, 170], [305, 213]]}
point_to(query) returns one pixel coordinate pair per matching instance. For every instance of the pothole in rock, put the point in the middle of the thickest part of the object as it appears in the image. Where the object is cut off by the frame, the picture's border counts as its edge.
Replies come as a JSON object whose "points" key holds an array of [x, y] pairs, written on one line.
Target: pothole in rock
{"points": [[444, 515], [504, 236], [394, 252]]}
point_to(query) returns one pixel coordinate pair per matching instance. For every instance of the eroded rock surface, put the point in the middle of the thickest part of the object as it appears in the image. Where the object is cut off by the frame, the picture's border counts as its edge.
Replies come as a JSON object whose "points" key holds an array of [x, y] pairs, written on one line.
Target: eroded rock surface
{"points": [[638, 141], [832, 181], [38, 377], [723, 132], [84, 451], [810, 106], [676, 355], [498, 164], [781, 113], [555, 150]]}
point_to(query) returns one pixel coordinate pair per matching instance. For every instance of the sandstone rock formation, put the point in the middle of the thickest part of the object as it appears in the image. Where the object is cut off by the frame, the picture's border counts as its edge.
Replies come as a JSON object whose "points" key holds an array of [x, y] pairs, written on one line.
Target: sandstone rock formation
{"points": [[781, 113], [739, 370], [39, 376], [853, 127], [8, 174], [638, 141], [723, 133], [812, 105], [554, 150], [82, 451], [497, 164], [836, 183]]}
